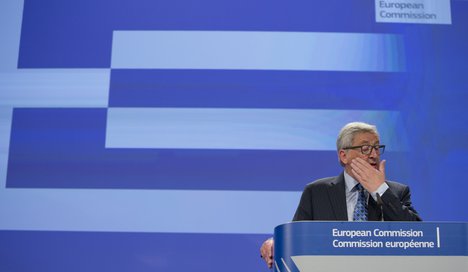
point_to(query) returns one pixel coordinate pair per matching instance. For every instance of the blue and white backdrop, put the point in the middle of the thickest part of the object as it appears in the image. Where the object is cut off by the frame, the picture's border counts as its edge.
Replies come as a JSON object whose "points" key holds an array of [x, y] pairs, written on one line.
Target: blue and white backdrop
{"points": [[143, 135]]}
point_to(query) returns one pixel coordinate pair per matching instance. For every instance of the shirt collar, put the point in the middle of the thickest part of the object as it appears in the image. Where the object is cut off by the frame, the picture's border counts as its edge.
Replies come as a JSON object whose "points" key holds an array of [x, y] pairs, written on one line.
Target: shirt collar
{"points": [[350, 182]]}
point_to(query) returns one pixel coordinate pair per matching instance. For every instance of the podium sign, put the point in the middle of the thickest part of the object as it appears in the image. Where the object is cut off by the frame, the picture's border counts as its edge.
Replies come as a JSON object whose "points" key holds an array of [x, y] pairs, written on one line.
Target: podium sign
{"points": [[371, 246]]}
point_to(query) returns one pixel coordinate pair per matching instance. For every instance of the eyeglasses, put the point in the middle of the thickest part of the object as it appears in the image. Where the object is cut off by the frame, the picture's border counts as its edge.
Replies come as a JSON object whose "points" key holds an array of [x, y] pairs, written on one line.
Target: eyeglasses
{"points": [[367, 149]]}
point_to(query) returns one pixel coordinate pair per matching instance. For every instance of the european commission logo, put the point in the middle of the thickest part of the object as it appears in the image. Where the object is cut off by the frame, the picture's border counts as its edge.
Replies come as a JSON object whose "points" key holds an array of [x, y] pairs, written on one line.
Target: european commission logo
{"points": [[413, 11]]}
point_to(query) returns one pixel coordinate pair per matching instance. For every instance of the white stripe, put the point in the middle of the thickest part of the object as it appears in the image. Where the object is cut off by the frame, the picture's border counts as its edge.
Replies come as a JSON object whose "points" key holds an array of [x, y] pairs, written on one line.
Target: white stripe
{"points": [[177, 211], [257, 50], [254, 129], [285, 265], [438, 237], [277, 268], [407, 263], [11, 14], [6, 114], [55, 88]]}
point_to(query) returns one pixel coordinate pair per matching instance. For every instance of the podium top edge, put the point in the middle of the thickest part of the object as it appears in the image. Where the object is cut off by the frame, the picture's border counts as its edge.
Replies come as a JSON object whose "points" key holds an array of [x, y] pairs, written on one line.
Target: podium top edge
{"points": [[373, 222]]}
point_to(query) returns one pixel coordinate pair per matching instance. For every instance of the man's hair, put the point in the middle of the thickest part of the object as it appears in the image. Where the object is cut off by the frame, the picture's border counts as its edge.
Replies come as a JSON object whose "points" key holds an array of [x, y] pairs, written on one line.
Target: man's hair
{"points": [[347, 133]]}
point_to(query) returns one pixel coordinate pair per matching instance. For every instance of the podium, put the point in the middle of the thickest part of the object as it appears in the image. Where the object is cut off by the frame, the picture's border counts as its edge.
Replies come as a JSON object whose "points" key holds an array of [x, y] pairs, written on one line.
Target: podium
{"points": [[335, 246]]}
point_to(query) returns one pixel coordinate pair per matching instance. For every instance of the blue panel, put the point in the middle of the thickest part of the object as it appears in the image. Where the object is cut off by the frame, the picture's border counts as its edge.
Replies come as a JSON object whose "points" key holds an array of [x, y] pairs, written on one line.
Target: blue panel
{"points": [[447, 239], [257, 89], [395, 239], [128, 252]]}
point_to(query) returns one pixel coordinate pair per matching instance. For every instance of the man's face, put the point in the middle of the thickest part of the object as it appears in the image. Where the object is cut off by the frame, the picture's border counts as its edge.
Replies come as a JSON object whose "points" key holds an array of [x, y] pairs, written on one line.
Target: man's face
{"points": [[364, 138]]}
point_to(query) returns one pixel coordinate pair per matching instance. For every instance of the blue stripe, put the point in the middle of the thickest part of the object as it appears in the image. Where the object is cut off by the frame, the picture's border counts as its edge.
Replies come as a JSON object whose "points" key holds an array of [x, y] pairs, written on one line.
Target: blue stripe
{"points": [[255, 50], [128, 252], [257, 89]]}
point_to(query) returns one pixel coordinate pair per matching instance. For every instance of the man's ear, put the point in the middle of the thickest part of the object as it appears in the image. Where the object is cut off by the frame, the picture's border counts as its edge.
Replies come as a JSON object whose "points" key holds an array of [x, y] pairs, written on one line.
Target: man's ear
{"points": [[343, 157]]}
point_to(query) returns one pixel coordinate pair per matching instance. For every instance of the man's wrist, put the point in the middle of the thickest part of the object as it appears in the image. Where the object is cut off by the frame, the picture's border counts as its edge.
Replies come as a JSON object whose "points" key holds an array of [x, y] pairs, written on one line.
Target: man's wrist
{"points": [[381, 190]]}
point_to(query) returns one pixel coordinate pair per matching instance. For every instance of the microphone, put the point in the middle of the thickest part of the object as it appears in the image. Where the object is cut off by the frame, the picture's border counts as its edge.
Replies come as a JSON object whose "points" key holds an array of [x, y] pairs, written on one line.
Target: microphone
{"points": [[380, 205]]}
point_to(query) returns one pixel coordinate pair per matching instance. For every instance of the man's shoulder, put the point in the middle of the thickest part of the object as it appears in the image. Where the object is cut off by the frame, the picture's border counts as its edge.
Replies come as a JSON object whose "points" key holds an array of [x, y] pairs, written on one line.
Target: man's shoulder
{"points": [[323, 182], [396, 185]]}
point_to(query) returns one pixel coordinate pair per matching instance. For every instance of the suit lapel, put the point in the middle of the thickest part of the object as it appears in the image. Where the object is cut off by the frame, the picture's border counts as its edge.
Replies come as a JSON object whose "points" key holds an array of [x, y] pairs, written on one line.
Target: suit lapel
{"points": [[337, 196]]}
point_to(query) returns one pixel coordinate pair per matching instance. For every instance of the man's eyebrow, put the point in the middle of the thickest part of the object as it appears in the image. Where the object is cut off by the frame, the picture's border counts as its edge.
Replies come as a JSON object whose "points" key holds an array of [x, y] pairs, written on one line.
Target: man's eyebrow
{"points": [[368, 143]]}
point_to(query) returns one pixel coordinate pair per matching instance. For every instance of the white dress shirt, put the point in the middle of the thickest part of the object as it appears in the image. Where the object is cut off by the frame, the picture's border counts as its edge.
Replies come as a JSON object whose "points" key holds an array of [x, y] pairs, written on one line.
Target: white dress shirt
{"points": [[352, 194]]}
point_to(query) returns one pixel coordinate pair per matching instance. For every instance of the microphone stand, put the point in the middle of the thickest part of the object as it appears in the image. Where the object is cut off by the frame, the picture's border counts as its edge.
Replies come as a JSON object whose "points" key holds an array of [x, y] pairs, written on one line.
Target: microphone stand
{"points": [[380, 205]]}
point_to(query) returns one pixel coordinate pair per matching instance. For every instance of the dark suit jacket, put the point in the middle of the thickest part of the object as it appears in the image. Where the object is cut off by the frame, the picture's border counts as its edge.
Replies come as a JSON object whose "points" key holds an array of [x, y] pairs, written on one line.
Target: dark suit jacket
{"points": [[325, 199]]}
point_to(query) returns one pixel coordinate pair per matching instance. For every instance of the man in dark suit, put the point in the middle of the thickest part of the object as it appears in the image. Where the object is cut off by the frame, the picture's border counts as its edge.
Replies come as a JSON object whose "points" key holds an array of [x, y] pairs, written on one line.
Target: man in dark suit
{"points": [[360, 192]]}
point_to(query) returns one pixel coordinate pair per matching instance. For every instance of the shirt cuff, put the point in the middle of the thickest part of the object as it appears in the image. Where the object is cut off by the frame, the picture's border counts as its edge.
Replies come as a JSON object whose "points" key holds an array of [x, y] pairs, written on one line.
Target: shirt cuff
{"points": [[381, 190]]}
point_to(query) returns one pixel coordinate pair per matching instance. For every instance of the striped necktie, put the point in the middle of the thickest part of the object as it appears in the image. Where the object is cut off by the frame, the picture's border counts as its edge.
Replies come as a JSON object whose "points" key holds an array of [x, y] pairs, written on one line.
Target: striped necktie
{"points": [[360, 210]]}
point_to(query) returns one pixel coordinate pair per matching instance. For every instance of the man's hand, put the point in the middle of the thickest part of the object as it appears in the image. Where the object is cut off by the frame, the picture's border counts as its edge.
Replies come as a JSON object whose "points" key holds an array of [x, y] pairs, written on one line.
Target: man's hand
{"points": [[369, 177], [266, 252]]}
